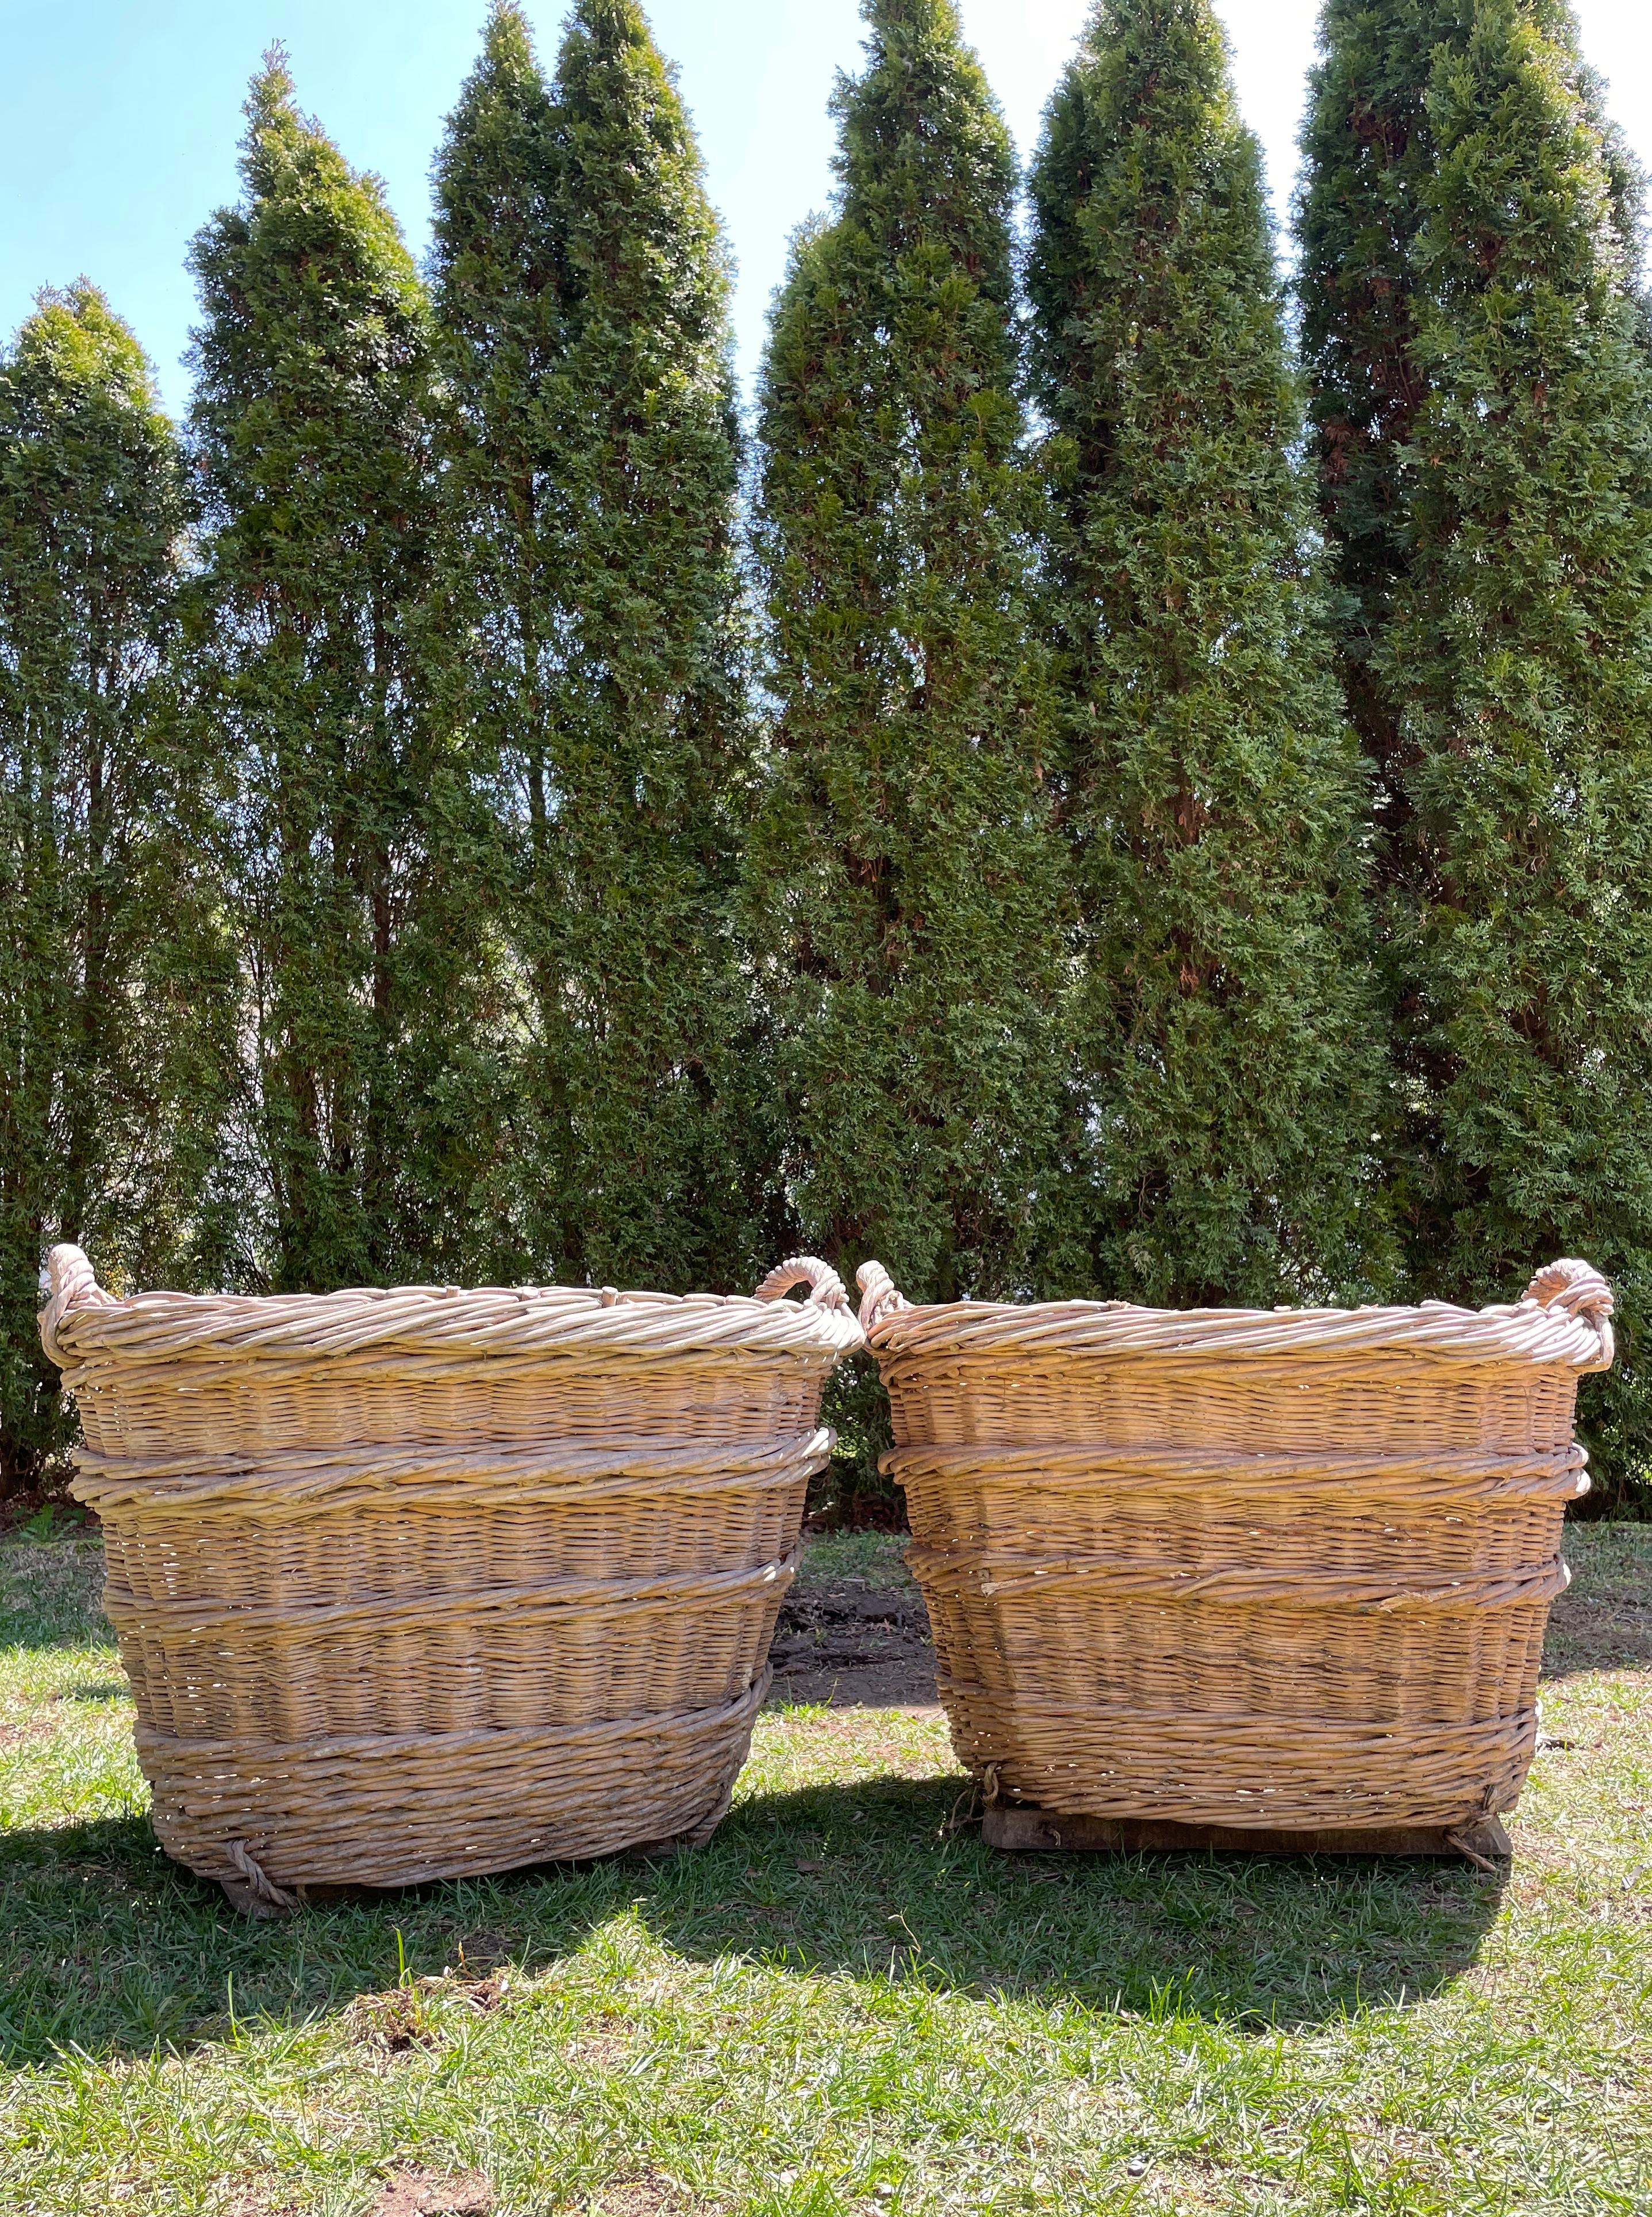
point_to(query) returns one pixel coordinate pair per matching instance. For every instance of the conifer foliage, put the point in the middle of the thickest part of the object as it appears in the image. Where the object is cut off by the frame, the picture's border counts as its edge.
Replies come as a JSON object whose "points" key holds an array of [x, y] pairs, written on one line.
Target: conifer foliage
{"points": [[1077, 868], [905, 877], [1214, 801], [98, 927], [582, 289], [1369, 152], [1506, 652], [354, 858]]}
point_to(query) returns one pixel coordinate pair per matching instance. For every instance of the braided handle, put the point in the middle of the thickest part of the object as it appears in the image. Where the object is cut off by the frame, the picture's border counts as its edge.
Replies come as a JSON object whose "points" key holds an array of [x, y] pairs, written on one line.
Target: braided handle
{"points": [[1577, 1287], [827, 1289], [68, 1282], [1580, 1291], [880, 1296]]}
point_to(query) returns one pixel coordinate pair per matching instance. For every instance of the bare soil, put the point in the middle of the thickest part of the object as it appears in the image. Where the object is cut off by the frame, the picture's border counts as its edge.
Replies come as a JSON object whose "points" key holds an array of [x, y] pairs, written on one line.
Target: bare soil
{"points": [[854, 1644]]}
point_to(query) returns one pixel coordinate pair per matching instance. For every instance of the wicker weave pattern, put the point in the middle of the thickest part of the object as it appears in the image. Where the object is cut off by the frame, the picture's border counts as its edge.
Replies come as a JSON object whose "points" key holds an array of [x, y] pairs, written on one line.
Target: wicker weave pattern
{"points": [[1280, 1568], [382, 1810], [499, 1570], [374, 1526]]}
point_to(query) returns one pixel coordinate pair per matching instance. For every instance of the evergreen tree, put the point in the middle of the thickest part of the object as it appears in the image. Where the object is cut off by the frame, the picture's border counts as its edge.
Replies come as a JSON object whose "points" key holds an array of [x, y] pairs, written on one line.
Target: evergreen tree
{"points": [[905, 875], [357, 846], [108, 975], [1504, 647], [582, 292], [1369, 152], [1214, 798]]}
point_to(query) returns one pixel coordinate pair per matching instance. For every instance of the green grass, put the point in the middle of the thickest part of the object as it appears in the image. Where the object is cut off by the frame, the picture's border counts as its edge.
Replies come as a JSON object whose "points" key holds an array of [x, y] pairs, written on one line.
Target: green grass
{"points": [[845, 2005], [876, 1558]]}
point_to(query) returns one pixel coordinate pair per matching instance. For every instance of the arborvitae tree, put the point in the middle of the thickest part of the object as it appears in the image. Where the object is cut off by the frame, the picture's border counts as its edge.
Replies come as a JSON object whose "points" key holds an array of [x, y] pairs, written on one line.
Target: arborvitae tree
{"points": [[906, 876], [1505, 649], [108, 978], [1214, 798], [1369, 148], [582, 292], [357, 850]]}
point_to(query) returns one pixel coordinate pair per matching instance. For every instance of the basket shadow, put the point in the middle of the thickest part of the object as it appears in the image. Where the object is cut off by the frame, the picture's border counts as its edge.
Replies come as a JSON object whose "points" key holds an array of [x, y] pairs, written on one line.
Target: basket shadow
{"points": [[113, 1950], [891, 1890]]}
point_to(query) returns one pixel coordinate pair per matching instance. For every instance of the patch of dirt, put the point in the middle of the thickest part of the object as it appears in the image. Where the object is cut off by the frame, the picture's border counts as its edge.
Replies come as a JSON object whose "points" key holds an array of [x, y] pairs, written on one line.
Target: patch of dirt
{"points": [[853, 1644], [412, 2192], [1603, 1621], [261, 2198], [392, 2022], [484, 1995], [482, 1951], [651, 2194], [35, 1728]]}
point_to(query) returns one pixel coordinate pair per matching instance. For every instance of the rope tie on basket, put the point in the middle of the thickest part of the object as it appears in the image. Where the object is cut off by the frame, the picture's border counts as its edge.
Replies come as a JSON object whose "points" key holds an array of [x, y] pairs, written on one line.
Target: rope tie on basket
{"points": [[259, 1883], [1458, 1839], [826, 1289], [880, 1296]]}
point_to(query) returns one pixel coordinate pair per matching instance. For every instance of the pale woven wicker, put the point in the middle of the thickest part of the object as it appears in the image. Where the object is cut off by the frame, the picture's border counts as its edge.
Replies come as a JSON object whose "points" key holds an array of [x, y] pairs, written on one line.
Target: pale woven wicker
{"points": [[1283, 1569], [421, 1583]]}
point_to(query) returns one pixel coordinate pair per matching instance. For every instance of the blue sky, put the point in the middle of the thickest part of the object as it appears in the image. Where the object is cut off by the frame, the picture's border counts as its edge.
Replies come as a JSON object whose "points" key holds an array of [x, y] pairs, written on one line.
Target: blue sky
{"points": [[118, 121]]}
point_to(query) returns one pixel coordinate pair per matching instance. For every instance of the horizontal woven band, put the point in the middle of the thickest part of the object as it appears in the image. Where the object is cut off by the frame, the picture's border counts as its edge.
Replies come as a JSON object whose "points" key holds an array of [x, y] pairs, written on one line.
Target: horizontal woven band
{"points": [[1210, 1767], [987, 1576], [1342, 1481], [487, 1749], [309, 1482], [520, 1605], [649, 1370], [399, 1810]]}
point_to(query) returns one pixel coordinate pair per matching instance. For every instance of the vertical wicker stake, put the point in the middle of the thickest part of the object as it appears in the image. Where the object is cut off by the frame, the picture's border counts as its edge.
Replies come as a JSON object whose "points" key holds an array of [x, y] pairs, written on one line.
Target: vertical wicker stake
{"points": [[1271, 1579], [422, 1583]]}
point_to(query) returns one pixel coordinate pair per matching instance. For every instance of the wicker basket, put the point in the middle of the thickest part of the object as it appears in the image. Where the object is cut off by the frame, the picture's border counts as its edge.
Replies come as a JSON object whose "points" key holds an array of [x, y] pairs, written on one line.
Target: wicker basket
{"points": [[1281, 1570], [422, 1583]]}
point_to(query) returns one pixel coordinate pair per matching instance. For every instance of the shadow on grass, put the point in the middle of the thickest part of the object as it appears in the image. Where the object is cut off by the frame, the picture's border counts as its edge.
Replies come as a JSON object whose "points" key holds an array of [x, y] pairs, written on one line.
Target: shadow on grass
{"points": [[108, 1948]]}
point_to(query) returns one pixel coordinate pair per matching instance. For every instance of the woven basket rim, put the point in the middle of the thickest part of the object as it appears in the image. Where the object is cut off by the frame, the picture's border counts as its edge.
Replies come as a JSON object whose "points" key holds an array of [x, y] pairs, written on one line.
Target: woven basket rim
{"points": [[1563, 1318], [82, 1322]]}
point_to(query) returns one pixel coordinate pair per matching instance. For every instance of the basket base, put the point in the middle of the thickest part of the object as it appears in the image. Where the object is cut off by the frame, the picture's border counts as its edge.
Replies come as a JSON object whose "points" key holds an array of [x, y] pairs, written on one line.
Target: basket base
{"points": [[1023, 1830], [240, 1896]]}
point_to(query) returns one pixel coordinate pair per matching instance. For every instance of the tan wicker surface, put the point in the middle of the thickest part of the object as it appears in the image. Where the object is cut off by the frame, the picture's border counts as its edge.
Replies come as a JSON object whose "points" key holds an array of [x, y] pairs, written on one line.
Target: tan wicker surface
{"points": [[1282, 1568], [425, 1583]]}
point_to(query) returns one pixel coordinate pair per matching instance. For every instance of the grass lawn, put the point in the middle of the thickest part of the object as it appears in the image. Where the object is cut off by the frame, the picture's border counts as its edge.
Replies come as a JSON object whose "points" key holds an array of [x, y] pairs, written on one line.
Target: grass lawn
{"points": [[844, 2004]]}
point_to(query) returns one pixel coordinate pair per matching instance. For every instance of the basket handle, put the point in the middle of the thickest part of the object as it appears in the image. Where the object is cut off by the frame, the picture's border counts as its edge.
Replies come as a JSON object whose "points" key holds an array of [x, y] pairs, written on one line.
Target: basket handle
{"points": [[879, 1295], [826, 1289], [68, 1282], [1579, 1289]]}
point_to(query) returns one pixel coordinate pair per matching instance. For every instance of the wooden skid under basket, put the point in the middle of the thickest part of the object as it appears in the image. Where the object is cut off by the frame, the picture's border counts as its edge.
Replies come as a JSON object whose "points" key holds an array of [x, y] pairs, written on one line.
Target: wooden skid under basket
{"points": [[424, 1583], [1277, 1573], [1040, 1832]]}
